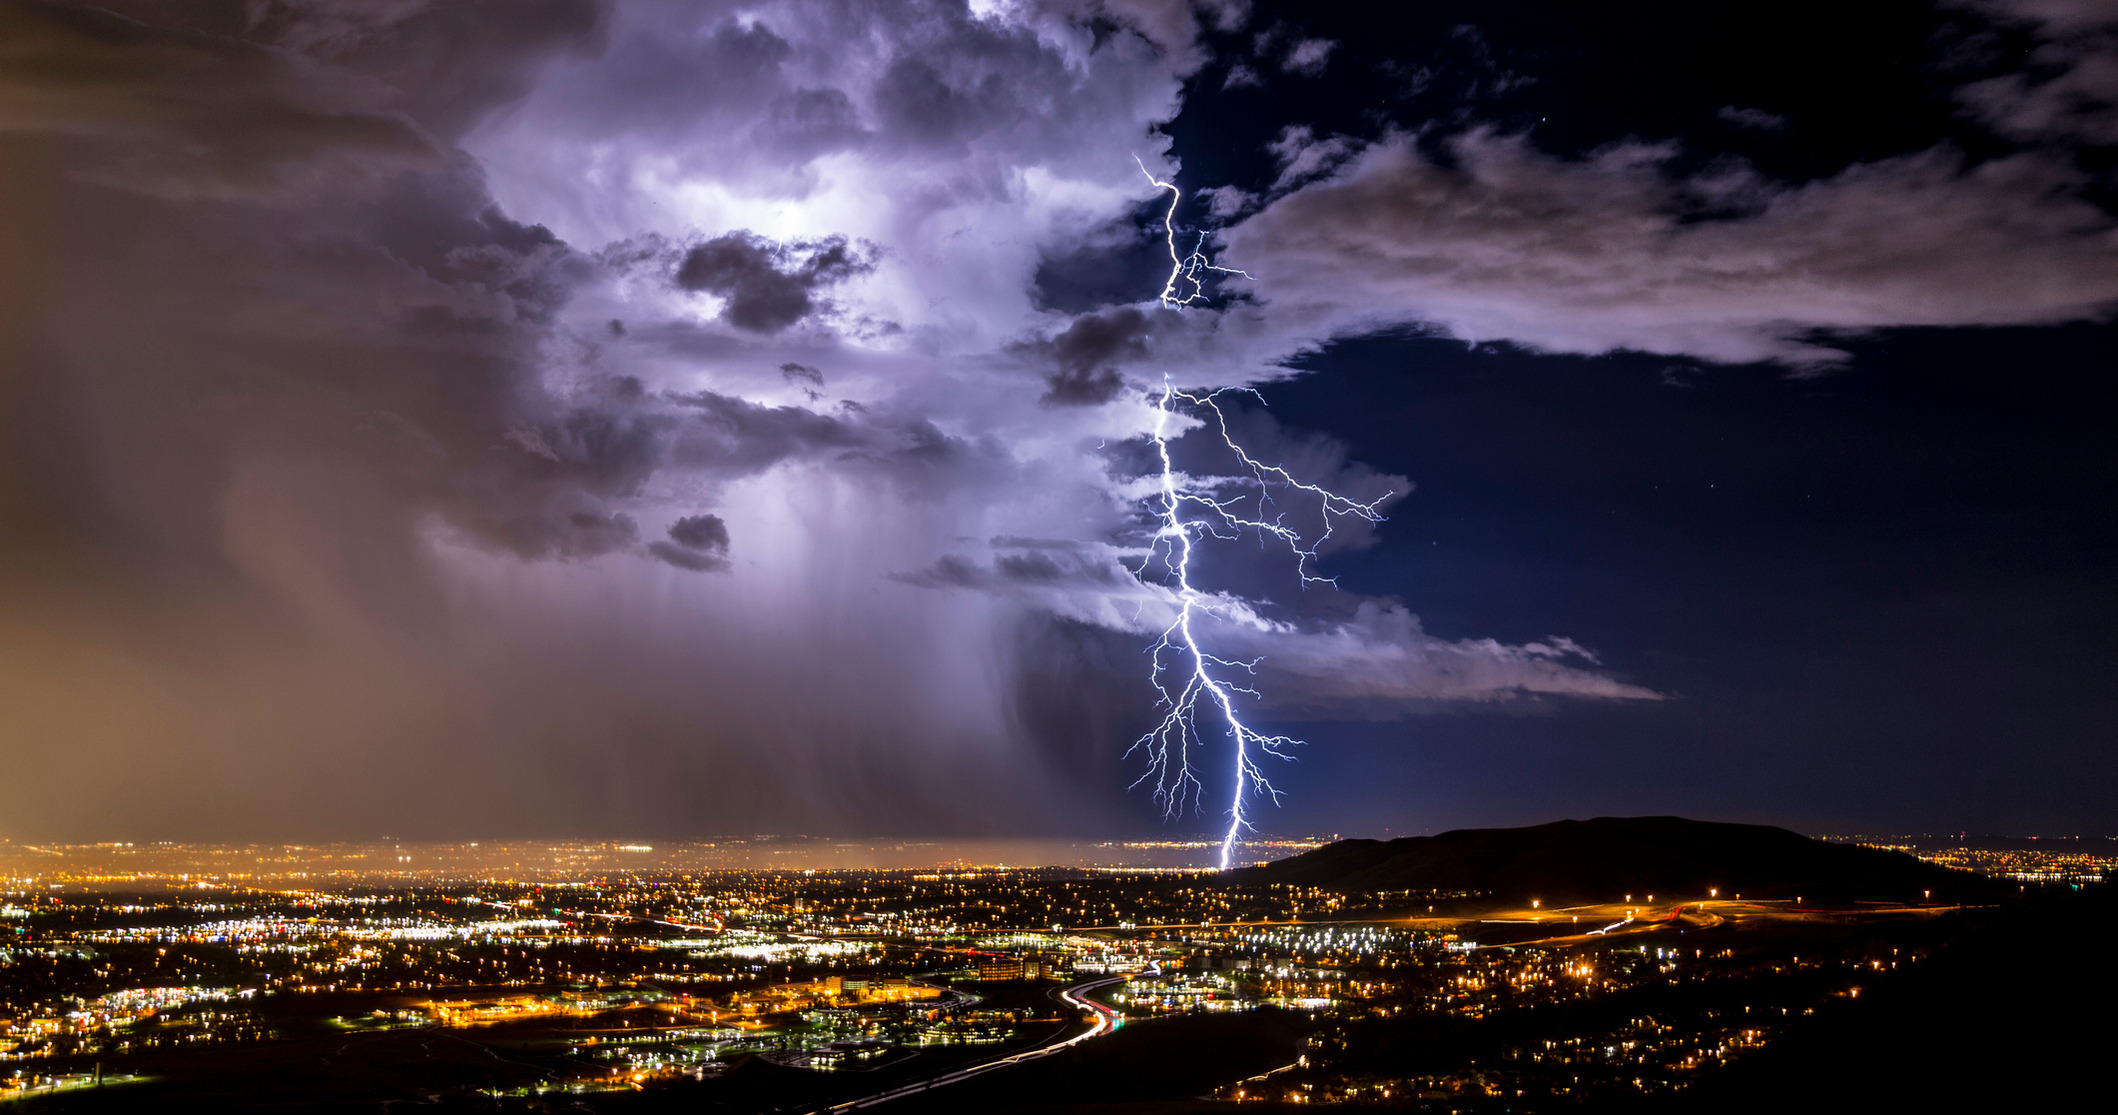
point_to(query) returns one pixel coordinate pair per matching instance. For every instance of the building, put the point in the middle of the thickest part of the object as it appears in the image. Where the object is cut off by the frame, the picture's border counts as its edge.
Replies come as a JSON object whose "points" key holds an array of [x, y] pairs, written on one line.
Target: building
{"points": [[1001, 969]]}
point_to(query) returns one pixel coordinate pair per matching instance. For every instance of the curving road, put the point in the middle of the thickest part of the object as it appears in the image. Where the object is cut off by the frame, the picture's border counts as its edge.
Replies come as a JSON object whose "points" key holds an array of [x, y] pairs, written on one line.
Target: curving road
{"points": [[1105, 1020]]}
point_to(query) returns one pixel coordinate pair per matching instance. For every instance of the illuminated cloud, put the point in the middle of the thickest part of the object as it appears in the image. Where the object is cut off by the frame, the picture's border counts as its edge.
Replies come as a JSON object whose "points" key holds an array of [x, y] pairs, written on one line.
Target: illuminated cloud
{"points": [[351, 474], [767, 287], [696, 542], [1376, 664], [530, 414], [2068, 91], [1507, 243]]}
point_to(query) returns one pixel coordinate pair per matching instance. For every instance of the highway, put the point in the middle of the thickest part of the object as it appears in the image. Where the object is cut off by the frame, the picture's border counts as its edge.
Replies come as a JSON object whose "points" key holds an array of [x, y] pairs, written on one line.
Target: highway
{"points": [[1105, 1020]]}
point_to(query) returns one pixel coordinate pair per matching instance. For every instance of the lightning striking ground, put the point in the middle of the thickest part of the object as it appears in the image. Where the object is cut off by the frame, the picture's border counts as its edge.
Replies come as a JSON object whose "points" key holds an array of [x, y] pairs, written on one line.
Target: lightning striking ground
{"points": [[1191, 509]]}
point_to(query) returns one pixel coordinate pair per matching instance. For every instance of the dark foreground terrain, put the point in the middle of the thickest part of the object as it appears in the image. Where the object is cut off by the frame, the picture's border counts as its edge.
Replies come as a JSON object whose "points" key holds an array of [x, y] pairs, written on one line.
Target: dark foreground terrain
{"points": [[2012, 1013], [2009, 1010], [1598, 860], [1641, 964]]}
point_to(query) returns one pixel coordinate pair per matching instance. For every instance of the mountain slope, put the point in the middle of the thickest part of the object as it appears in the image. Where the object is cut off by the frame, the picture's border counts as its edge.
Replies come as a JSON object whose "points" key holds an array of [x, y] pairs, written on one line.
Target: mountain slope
{"points": [[1607, 858]]}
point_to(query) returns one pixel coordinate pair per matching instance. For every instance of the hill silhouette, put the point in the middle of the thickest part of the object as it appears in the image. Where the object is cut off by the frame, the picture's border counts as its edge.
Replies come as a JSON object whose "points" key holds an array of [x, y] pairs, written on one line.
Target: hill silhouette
{"points": [[1606, 858]]}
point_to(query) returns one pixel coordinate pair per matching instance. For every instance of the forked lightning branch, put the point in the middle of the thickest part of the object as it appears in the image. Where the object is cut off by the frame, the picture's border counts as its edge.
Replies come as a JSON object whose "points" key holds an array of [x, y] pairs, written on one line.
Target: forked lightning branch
{"points": [[1190, 510]]}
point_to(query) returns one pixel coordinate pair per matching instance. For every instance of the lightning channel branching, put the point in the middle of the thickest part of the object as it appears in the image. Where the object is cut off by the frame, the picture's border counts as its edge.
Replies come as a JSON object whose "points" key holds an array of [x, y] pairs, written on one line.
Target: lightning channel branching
{"points": [[1183, 268], [1191, 509]]}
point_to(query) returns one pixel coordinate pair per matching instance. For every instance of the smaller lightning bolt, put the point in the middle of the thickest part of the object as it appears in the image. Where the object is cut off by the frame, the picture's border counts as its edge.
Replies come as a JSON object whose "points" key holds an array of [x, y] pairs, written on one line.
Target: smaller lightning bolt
{"points": [[1190, 509]]}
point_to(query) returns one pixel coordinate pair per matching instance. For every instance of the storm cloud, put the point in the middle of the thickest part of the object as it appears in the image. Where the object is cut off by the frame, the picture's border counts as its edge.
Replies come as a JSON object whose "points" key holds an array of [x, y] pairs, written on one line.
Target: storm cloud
{"points": [[379, 380], [331, 462], [698, 543], [1505, 242], [1087, 354], [767, 286], [2068, 91]]}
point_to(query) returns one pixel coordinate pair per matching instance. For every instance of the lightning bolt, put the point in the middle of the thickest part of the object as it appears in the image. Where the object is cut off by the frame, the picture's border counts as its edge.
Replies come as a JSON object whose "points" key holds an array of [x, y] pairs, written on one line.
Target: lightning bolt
{"points": [[1189, 510], [1183, 268]]}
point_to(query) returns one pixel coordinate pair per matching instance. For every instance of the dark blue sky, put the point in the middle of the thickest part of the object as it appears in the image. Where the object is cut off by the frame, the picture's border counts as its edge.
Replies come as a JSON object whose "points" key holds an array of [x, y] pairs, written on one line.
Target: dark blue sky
{"points": [[1881, 596]]}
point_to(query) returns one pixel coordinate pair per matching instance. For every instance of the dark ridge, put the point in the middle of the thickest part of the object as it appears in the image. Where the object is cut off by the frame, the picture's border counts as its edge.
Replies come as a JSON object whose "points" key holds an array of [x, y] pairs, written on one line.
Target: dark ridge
{"points": [[1607, 858]]}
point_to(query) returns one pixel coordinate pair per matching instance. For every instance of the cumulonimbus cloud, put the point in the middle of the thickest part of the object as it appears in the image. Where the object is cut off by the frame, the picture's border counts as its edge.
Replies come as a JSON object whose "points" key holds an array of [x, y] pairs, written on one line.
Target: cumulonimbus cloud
{"points": [[337, 450], [526, 400]]}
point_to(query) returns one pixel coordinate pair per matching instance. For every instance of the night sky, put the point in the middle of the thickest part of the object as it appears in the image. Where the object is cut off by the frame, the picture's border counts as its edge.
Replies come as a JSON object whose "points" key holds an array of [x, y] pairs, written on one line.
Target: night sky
{"points": [[482, 419]]}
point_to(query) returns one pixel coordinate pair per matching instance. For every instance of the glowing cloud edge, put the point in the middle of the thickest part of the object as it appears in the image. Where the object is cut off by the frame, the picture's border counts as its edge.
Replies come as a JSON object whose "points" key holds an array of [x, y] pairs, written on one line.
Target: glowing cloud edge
{"points": [[1178, 651]]}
